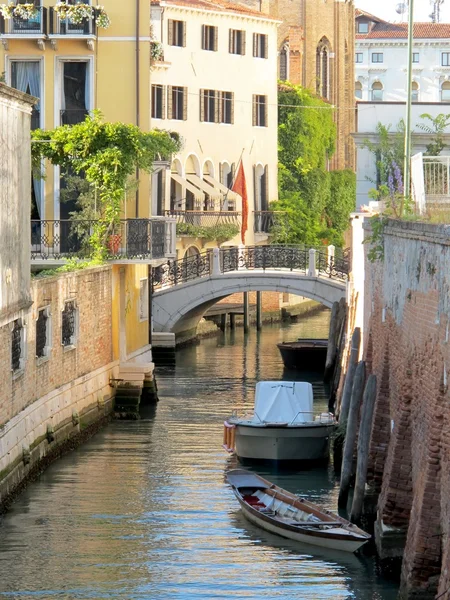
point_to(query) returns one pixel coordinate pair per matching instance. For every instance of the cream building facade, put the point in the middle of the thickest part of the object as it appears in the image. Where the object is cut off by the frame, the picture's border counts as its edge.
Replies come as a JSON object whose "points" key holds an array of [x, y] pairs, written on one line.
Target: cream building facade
{"points": [[214, 82]]}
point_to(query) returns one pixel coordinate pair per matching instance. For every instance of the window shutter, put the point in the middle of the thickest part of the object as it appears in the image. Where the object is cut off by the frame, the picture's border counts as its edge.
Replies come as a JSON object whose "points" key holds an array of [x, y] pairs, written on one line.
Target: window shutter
{"points": [[266, 188], [169, 101], [233, 174], [202, 105], [232, 108], [163, 101], [221, 172], [185, 103], [266, 46], [230, 42], [243, 43], [254, 110], [266, 109], [184, 34], [203, 37], [217, 107], [255, 44], [255, 189], [216, 35], [170, 32]]}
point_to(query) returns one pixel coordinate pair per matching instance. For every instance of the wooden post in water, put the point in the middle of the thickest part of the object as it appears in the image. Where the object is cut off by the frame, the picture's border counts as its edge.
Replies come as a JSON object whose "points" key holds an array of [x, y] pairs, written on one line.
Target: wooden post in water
{"points": [[246, 313], [223, 321], [350, 434], [351, 368], [332, 342], [365, 429], [258, 311], [232, 321]]}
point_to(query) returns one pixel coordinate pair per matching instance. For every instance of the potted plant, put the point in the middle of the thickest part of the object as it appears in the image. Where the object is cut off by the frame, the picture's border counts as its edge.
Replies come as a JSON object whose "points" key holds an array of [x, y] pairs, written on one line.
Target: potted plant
{"points": [[18, 11], [79, 13]]}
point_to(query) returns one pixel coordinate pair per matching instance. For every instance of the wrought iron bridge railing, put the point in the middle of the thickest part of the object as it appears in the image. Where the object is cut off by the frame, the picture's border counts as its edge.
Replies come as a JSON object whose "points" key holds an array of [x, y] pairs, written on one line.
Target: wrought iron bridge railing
{"points": [[133, 239], [306, 261]]}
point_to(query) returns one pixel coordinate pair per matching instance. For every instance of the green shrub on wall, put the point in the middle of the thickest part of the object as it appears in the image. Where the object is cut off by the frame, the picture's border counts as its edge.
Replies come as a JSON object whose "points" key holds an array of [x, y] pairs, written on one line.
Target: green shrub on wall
{"points": [[221, 233]]}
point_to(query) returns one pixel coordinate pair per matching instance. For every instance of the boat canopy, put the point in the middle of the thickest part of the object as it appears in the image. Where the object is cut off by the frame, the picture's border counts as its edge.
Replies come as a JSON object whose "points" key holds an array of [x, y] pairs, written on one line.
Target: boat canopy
{"points": [[286, 402]]}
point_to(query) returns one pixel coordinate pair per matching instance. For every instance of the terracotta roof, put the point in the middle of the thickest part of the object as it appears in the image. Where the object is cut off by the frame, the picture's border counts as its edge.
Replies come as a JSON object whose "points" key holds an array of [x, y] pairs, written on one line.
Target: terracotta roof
{"points": [[384, 30], [363, 13], [216, 5]]}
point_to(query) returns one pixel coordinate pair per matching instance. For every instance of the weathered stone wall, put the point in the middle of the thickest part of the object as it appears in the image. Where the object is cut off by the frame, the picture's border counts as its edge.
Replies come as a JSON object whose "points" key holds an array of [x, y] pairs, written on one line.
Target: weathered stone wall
{"points": [[64, 391], [407, 306]]}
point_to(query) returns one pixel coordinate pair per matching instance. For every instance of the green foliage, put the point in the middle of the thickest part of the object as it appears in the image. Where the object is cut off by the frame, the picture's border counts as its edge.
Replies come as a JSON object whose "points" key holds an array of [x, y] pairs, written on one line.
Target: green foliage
{"points": [[388, 149], [107, 154], [317, 203], [437, 127], [72, 264], [220, 232], [376, 239]]}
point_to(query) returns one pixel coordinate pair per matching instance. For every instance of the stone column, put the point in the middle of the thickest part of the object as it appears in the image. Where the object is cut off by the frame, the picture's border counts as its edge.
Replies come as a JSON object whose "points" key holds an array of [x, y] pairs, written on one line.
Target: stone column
{"points": [[312, 271]]}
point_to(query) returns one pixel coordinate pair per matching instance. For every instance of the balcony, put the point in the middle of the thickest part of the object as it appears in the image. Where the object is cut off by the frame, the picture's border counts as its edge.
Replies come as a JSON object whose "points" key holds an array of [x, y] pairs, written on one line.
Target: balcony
{"points": [[65, 27], [265, 221], [16, 28], [134, 239], [430, 184], [206, 224]]}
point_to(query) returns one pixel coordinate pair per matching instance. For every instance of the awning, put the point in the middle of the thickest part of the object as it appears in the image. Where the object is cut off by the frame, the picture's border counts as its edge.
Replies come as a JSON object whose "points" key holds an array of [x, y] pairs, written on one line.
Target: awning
{"points": [[212, 192], [198, 194], [222, 188]]}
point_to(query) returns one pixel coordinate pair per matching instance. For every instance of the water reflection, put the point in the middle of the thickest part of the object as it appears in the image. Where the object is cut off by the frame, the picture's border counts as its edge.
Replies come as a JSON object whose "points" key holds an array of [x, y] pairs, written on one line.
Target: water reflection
{"points": [[142, 511]]}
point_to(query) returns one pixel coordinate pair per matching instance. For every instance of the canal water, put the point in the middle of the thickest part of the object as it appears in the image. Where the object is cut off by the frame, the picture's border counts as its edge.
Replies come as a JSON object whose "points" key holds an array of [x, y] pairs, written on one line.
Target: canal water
{"points": [[143, 511]]}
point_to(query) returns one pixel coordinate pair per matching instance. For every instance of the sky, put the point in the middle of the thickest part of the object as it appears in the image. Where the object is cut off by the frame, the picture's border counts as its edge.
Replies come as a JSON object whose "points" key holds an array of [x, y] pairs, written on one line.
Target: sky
{"points": [[385, 9]]}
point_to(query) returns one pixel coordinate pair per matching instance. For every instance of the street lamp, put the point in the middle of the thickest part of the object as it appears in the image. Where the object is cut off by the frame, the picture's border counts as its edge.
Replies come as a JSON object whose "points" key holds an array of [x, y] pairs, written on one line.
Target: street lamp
{"points": [[407, 157]]}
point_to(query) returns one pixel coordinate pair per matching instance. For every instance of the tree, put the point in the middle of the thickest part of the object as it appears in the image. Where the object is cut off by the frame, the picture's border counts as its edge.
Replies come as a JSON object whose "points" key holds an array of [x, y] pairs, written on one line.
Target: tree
{"points": [[107, 155], [316, 205], [437, 127]]}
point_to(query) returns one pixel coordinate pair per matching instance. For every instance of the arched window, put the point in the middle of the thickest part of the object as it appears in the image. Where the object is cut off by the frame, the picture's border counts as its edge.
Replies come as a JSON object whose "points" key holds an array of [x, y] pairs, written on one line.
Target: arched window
{"points": [[358, 90], [284, 62], [445, 91], [377, 91], [323, 68], [415, 92]]}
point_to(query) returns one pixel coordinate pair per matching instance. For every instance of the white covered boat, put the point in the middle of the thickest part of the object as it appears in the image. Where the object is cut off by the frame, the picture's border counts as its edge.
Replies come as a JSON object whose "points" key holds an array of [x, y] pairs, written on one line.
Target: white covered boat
{"points": [[276, 510], [283, 426]]}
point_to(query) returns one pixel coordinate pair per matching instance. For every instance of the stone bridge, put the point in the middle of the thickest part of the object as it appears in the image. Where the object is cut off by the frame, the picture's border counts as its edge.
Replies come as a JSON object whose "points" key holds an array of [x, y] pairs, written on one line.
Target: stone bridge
{"points": [[184, 290]]}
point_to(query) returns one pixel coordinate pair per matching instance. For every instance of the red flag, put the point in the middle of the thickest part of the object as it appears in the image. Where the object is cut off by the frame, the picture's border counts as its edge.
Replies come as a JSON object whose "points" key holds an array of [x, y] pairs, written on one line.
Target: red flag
{"points": [[240, 188]]}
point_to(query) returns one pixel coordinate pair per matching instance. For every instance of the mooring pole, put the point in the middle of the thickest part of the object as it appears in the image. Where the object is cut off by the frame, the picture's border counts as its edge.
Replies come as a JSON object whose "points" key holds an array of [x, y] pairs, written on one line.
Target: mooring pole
{"points": [[258, 311], [246, 313]]}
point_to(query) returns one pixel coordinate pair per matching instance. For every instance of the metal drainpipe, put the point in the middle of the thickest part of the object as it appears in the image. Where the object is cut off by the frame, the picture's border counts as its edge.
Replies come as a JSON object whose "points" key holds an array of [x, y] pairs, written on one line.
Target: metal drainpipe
{"points": [[138, 118]]}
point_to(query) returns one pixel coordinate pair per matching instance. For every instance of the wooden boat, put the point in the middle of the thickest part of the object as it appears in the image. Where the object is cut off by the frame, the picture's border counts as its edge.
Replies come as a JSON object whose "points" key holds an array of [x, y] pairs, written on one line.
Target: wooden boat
{"points": [[304, 354], [276, 510], [282, 428]]}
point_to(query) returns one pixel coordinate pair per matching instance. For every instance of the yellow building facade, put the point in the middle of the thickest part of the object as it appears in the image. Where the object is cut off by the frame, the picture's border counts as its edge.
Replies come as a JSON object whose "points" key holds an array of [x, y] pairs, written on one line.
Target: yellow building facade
{"points": [[75, 67]]}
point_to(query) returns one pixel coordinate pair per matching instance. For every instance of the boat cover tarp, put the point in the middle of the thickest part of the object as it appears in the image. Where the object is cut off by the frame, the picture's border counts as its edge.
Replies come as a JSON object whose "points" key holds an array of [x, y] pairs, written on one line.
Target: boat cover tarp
{"points": [[245, 479], [283, 402]]}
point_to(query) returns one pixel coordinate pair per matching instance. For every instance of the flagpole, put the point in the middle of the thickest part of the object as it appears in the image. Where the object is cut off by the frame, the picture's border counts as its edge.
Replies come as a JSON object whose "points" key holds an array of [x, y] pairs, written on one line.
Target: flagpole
{"points": [[234, 179]]}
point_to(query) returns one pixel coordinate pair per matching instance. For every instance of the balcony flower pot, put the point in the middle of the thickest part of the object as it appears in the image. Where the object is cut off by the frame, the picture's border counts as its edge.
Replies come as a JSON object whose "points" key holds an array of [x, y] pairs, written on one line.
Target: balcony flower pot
{"points": [[78, 14], [18, 11], [114, 244]]}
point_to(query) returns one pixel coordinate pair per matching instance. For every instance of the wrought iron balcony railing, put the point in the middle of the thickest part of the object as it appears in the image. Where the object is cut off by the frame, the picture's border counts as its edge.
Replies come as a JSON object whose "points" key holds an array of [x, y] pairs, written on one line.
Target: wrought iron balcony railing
{"points": [[65, 26], [265, 221], [205, 218], [72, 116], [25, 27], [133, 239]]}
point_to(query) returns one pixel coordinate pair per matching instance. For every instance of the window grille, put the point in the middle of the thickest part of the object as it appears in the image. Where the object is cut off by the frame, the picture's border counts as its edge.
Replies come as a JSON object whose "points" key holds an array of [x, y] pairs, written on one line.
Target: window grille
{"points": [[41, 334], [68, 330], [17, 346]]}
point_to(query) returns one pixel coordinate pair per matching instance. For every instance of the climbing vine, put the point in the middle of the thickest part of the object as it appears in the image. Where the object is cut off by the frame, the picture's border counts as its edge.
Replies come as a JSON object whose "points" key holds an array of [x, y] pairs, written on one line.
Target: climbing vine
{"points": [[107, 156]]}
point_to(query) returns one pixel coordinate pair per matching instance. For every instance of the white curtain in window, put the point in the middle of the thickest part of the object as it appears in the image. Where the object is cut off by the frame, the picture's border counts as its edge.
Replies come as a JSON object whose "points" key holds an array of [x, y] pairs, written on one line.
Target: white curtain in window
{"points": [[28, 78]]}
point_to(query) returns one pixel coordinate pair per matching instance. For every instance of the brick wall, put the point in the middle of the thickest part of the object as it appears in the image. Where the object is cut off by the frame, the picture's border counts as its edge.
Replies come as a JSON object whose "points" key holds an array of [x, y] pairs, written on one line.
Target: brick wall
{"points": [[91, 290], [407, 347]]}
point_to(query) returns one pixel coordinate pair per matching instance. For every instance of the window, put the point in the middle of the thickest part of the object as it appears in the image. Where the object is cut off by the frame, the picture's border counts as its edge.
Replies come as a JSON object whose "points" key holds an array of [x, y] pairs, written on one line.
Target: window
{"points": [[177, 103], [43, 333], [143, 300], [358, 90], [415, 92], [69, 324], [157, 102], [445, 91], [209, 106], [17, 346], [26, 77], [177, 33], [227, 107], [259, 110], [322, 68], [377, 57], [237, 41], [259, 45], [75, 92], [363, 27], [284, 62], [445, 59], [377, 92], [415, 57], [358, 57], [209, 38]]}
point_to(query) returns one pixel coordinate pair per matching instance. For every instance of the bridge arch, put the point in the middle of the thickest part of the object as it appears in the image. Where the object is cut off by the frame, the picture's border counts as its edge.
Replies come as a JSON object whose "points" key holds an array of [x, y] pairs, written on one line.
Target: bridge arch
{"points": [[179, 309]]}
